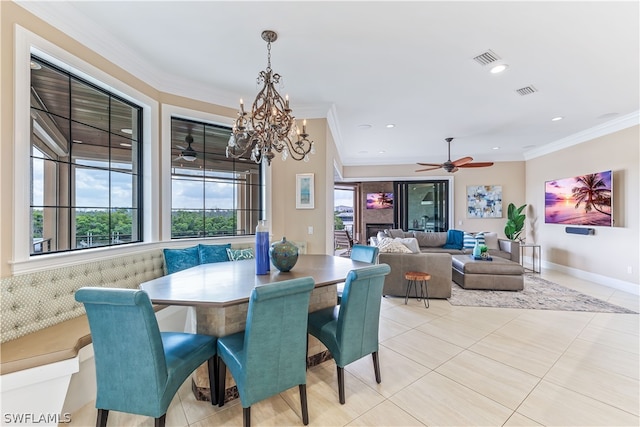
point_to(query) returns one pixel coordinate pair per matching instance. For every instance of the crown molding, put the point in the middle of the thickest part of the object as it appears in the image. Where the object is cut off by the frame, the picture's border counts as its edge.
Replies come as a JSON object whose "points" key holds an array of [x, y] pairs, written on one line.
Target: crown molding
{"points": [[615, 125]]}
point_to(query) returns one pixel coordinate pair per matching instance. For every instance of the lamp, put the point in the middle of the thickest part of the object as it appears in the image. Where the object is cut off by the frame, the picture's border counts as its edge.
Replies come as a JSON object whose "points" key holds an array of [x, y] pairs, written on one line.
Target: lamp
{"points": [[270, 125]]}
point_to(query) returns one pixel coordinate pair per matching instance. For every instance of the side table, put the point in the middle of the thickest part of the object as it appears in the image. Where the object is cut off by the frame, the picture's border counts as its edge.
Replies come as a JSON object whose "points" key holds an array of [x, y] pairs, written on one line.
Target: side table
{"points": [[536, 257]]}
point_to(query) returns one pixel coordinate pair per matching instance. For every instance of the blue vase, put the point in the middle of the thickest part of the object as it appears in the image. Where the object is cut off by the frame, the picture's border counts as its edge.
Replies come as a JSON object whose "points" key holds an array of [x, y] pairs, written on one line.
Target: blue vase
{"points": [[284, 255], [262, 248], [476, 250]]}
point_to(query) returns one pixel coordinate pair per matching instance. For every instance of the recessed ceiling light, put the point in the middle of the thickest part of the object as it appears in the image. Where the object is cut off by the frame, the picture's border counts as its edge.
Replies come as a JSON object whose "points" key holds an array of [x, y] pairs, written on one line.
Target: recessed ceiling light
{"points": [[364, 126], [495, 148], [391, 125], [126, 130], [77, 141], [555, 119], [125, 144], [35, 66], [498, 68], [381, 152]]}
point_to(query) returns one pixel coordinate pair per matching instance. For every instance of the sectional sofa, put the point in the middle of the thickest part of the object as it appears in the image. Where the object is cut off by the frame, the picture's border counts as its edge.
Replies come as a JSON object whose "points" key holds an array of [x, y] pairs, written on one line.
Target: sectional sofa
{"points": [[434, 258]]}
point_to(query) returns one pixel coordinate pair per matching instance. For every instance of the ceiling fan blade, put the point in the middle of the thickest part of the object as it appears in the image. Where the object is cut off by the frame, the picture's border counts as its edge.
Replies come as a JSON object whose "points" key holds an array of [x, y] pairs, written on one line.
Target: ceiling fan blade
{"points": [[476, 165], [180, 147], [429, 169], [462, 161], [430, 164]]}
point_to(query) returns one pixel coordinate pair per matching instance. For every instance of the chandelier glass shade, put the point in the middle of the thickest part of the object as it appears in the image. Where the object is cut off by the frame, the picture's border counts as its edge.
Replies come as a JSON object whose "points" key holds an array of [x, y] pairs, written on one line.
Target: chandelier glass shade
{"points": [[270, 126]]}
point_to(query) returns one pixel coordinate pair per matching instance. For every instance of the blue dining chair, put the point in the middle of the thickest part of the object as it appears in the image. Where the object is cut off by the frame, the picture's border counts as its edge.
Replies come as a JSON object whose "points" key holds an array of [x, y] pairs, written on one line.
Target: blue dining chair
{"points": [[350, 330], [269, 356], [138, 368], [360, 253]]}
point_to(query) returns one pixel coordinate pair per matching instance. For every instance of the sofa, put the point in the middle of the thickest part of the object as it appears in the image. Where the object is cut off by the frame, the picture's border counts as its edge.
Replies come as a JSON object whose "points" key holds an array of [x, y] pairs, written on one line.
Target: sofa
{"points": [[438, 265], [429, 242], [425, 251]]}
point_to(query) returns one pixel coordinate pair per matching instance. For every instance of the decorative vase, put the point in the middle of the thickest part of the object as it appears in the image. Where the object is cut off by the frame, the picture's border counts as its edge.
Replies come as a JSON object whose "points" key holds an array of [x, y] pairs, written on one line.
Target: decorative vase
{"points": [[476, 250], [262, 248], [284, 255]]}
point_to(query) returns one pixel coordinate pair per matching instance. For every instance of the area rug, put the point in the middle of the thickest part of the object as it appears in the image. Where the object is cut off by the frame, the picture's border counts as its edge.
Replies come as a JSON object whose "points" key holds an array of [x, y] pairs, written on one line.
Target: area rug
{"points": [[537, 294]]}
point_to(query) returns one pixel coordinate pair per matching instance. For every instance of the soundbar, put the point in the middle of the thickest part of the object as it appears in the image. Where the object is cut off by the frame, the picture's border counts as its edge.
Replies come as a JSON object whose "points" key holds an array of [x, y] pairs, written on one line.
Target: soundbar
{"points": [[579, 230]]}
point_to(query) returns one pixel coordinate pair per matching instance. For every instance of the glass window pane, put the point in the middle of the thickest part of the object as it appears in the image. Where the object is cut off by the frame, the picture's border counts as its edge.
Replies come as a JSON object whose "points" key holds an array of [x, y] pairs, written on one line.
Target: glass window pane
{"points": [[219, 195], [220, 222], [92, 228], [186, 223], [124, 153], [122, 193], [89, 142], [91, 187], [124, 119], [89, 105], [50, 89], [50, 134], [122, 230], [187, 194]]}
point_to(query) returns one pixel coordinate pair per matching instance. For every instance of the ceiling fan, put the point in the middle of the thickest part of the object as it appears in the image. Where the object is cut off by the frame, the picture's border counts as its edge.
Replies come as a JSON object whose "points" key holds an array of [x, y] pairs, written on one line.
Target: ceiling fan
{"points": [[188, 153], [449, 166]]}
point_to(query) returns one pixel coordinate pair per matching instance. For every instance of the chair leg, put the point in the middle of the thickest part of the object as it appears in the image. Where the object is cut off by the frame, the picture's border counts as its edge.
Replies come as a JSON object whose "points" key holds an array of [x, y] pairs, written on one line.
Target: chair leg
{"points": [[341, 384], [160, 421], [376, 366], [101, 421], [246, 416], [213, 384], [222, 376], [303, 403]]}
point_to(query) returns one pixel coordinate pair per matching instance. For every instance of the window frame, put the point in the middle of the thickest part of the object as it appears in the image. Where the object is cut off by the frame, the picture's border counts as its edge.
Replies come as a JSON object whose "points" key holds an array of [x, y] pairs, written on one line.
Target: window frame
{"points": [[73, 166], [27, 43], [213, 122]]}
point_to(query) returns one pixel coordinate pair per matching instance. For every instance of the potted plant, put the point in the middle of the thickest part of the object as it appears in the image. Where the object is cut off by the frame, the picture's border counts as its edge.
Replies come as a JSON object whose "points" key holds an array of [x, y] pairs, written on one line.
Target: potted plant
{"points": [[515, 222]]}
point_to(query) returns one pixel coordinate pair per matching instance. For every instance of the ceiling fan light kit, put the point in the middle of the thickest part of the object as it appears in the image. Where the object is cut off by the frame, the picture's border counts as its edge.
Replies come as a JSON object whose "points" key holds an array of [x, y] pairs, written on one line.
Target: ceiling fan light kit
{"points": [[453, 166], [189, 154]]}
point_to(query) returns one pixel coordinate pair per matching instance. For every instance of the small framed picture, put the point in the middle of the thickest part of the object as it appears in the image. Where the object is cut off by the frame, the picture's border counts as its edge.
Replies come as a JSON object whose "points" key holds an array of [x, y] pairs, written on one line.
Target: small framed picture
{"points": [[304, 191]]}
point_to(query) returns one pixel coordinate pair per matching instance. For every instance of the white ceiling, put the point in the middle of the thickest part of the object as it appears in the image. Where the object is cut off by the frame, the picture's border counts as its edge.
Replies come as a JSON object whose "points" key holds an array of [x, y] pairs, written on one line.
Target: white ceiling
{"points": [[375, 63]]}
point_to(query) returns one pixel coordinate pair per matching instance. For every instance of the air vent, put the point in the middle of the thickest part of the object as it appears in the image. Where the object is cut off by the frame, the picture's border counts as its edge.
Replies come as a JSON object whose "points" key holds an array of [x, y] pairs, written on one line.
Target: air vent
{"points": [[527, 90], [486, 58]]}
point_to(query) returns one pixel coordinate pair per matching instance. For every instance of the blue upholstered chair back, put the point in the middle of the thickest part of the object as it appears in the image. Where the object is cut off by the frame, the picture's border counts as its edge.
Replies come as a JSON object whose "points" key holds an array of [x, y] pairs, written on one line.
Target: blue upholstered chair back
{"points": [[275, 339], [131, 369], [364, 253], [359, 317]]}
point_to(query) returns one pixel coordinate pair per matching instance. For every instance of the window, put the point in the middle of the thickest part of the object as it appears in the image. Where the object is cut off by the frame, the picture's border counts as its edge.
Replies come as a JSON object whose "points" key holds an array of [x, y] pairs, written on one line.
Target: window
{"points": [[423, 205], [212, 195], [86, 168]]}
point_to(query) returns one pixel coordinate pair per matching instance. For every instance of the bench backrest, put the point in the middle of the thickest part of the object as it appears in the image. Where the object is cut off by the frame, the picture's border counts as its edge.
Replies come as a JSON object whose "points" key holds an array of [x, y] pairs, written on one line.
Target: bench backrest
{"points": [[34, 301]]}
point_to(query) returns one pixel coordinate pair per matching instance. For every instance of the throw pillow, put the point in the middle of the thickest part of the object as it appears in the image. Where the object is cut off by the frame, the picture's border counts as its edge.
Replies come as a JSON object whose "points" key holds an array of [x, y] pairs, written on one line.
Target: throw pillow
{"points": [[411, 243], [213, 253], [240, 254], [454, 239], [491, 240], [480, 238], [180, 259], [469, 241], [389, 245]]}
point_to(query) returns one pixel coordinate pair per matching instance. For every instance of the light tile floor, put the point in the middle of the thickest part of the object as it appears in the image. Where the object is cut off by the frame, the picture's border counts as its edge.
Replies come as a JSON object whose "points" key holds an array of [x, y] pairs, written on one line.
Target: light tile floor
{"points": [[461, 366]]}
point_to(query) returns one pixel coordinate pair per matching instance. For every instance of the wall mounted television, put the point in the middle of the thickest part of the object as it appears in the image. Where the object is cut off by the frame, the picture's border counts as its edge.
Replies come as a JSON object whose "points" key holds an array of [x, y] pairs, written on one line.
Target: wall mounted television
{"points": [[379, 200], [580, 200]]}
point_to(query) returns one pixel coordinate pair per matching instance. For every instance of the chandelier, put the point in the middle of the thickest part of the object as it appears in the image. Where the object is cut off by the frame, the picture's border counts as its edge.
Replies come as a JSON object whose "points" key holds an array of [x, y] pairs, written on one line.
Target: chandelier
{"points": [[270, 126]]}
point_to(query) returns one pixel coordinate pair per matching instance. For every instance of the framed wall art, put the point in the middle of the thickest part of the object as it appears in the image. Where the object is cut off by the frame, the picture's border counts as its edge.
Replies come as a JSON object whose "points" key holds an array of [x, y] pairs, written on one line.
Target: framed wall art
{"points": [[304, 191], [484, 201]]}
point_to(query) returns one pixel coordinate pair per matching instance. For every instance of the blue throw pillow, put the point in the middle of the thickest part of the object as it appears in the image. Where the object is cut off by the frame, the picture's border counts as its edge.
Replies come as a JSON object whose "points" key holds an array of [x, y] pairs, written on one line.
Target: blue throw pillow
{"points": [[455, 239], [213, 253], [180, 259]]}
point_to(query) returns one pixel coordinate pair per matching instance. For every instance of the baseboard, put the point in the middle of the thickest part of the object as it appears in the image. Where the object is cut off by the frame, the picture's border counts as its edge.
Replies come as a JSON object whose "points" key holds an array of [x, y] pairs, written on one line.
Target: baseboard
{"points": [[609, 282]]}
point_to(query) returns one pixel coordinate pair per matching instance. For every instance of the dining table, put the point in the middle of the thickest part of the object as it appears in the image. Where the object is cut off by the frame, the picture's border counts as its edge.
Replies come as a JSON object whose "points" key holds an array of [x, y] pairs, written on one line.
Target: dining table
{"points": [[219, 293]]}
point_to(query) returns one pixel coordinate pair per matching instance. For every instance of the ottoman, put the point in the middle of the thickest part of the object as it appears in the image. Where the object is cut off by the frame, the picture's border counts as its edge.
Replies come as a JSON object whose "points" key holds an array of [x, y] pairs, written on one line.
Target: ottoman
{"points": [[500, 274]]}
